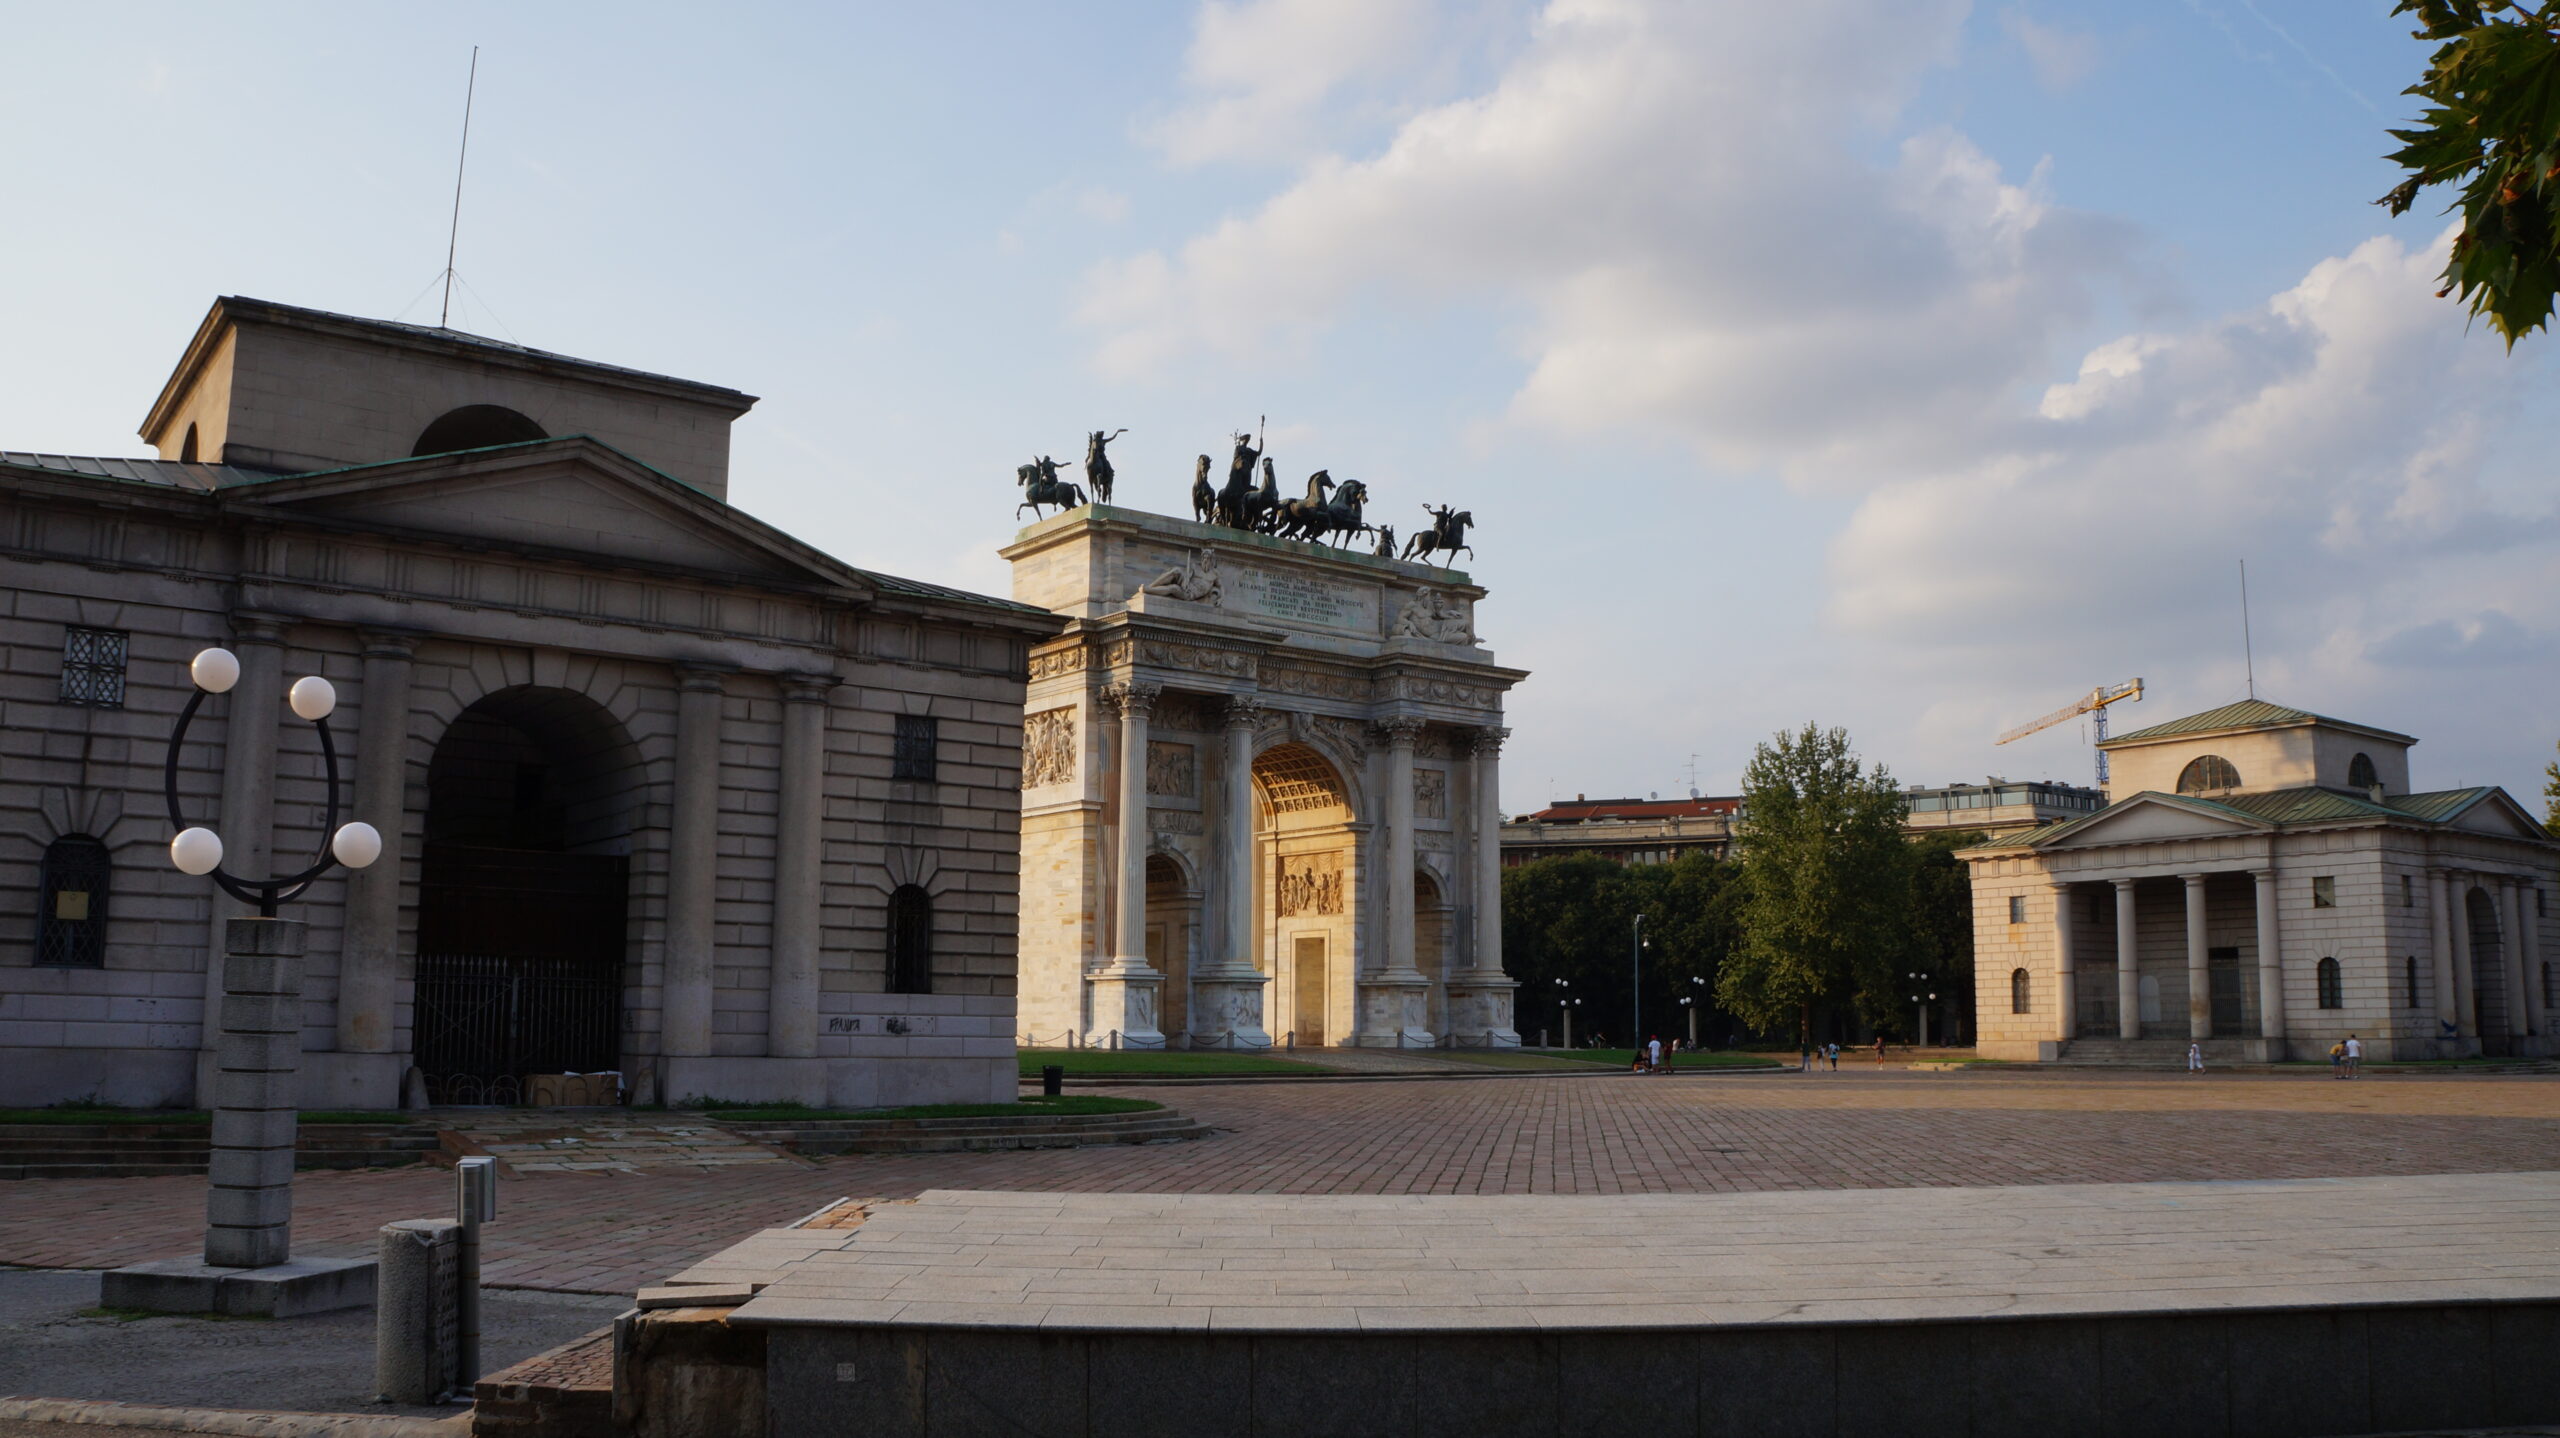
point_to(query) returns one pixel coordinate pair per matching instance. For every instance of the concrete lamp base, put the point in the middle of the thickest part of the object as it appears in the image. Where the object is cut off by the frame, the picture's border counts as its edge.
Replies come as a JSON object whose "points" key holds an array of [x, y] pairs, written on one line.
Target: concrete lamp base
{"points": [[282, 1290]]}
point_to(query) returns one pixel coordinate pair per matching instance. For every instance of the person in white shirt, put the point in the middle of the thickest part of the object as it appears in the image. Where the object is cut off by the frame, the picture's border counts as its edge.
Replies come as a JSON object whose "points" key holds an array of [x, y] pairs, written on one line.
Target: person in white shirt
{"points": [[1653, 1054], [2355, 1054], [2195, 1058]]}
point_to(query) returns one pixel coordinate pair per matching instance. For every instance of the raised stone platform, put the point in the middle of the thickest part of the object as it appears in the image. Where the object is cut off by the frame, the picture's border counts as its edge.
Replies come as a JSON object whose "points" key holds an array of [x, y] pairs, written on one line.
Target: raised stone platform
{"points": [[2304, 1307]]}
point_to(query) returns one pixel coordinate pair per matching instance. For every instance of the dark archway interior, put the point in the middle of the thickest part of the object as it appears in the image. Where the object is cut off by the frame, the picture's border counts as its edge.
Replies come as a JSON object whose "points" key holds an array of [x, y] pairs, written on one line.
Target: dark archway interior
{"points": [[2488, 970], [475, 426], [524, 894]]}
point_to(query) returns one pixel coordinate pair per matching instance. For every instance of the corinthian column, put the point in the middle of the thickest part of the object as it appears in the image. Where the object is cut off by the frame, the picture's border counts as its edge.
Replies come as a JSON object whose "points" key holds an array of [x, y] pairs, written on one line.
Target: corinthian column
{"points": [[693, 851], [1395, 999], [369, 956], [1226, 990], [1480, 996], [791, 1015], [1125, 988]]}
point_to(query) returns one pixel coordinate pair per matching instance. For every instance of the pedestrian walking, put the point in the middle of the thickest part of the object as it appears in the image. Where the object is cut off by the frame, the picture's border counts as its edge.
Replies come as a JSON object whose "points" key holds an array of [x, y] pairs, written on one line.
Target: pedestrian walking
{"points": [[1653, 1053], [2338, 1060], [1804, 1058], [2355, 1055], [1835, 1056], [2195, 1058], [1879, 1048]]}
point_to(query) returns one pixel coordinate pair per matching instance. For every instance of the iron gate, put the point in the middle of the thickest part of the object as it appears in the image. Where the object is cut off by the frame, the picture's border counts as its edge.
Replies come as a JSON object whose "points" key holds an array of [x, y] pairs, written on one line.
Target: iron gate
{"points": [[519, 968]]}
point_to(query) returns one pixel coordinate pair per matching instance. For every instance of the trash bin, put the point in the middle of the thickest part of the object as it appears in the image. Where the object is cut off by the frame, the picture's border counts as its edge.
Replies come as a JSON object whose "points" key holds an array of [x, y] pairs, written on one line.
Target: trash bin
{"points": [[1053, 1079]]}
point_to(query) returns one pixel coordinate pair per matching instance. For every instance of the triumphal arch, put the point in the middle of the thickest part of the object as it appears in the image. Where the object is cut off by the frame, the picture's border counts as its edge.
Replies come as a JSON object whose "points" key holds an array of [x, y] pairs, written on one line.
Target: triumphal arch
{"points": [[1260, 796]]}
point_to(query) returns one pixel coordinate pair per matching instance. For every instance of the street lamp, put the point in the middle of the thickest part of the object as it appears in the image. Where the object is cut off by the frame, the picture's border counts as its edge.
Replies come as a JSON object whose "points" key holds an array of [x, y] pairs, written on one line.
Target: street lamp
{"points": [[1636, 946], [198, 850], [1922, 1002]]}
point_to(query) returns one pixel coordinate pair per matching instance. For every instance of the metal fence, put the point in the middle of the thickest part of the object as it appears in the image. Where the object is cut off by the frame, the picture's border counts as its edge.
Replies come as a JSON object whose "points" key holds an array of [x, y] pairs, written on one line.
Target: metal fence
{"points": [[485, 1020]]}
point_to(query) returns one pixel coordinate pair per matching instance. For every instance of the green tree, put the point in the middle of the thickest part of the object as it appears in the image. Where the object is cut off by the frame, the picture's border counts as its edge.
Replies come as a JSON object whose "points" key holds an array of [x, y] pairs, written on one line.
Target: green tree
{"points": [[1827, 876], [2491, 124], [1942, 920], [1574, 919], [2551, 798]]}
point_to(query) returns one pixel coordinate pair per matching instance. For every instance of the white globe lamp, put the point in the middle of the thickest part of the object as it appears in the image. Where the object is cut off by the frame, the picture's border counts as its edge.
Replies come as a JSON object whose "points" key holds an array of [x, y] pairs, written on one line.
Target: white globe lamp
{"points": [[196, 851], [355, 845], [312, 698], [215, 670]]}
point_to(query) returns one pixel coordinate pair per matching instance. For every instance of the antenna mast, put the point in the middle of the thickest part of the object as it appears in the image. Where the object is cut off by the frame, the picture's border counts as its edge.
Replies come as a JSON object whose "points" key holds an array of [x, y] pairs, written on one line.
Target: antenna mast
{"points": [[454, 234], [2248, 649]]}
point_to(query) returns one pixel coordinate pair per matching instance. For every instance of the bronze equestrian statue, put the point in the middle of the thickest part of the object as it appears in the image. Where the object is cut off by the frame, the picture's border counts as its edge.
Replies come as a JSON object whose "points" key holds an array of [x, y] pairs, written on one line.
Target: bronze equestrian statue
{"points": [[1235, 501], [1097, 463], [1447, 534], [1040, 485], [1297, 518]]}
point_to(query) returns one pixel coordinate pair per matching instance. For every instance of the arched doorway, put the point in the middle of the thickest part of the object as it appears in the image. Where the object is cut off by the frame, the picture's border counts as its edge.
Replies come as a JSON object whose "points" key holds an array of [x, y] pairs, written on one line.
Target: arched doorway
{"points": [[1308, 871], [1432, 927], [1173, 922], [524, 894], [2488, 973]]}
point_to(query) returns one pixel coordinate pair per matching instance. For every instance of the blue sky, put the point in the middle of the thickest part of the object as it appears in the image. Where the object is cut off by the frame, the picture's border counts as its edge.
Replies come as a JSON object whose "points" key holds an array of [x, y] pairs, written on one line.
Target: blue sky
{"points": [[1899, 364]]}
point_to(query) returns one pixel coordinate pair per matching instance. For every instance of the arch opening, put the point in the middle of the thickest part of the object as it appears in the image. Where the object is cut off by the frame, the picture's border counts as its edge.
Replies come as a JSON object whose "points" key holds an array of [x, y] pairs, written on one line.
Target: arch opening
{"points": [[2488, 972], [2208, 774], [910, 940], [1432, 931], [524, 894], [2018, 991], [475, 426], [1306, 868], [1173, 927], [2361, 773]]}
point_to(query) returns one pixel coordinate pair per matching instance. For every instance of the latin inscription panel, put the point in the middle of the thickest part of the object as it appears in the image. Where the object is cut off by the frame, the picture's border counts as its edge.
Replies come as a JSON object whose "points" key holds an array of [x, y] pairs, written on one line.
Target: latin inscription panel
{"points": [[1303, 599]]}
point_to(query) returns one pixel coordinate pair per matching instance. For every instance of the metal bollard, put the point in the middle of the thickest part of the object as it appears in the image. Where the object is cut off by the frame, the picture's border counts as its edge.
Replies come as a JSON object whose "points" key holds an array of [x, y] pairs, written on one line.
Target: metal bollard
{"points": [[475, 1185], [1053, 1080]]}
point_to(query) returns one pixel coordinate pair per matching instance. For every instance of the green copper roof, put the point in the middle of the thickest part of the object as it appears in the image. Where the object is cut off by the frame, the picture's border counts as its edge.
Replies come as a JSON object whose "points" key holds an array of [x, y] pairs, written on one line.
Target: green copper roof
{"points": [[2441, 805], [2247, 714]]}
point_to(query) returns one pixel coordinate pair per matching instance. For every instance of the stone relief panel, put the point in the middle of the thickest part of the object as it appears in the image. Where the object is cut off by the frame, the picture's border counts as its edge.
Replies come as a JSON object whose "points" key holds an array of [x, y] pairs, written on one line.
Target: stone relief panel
{"points": [[1163, 654], [1310, 884], [1430, 793], [1053, 662], [1184, 713], [1048, 747], [1173, 770], [1315, 684], [1175, 821]]}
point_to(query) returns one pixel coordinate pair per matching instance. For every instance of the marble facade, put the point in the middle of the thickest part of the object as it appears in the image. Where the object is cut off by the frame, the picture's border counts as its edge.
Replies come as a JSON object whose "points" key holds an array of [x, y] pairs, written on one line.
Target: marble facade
{"points": [[1260, 793]]}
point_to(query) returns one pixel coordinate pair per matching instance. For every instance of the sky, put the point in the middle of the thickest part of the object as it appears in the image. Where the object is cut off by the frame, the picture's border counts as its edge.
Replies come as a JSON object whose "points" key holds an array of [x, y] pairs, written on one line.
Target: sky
{"points": [[1904, 365]]}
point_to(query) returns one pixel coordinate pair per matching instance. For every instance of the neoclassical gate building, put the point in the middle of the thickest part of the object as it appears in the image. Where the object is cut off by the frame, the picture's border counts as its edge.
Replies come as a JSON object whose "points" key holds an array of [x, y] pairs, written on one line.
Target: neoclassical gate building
{"points": [[1260, 793], [662, 788], [2269, 884]]}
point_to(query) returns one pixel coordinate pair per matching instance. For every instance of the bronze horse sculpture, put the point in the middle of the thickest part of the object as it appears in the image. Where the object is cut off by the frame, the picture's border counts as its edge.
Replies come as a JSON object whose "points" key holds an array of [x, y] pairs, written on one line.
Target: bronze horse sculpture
{"points": [[1339, 514], [1447, 534], [1097, 462], [1296, 517], [1204, 495], [1040, 485]]}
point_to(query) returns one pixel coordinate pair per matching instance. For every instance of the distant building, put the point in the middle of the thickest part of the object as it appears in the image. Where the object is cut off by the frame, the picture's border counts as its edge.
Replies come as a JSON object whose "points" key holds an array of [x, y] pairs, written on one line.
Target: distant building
{"points": [[1657, 831], [2269, 884]]}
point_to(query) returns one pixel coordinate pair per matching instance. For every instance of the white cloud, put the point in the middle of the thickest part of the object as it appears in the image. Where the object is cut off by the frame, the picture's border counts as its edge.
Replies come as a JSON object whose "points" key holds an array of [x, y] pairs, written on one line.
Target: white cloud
{"points": [[2060, 58], [1264, 73]]}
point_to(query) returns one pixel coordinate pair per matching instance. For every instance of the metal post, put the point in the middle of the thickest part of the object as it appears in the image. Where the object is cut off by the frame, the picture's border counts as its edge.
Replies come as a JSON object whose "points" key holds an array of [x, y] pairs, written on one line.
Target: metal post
{"points": [[1635, 984], [475, 1183]]}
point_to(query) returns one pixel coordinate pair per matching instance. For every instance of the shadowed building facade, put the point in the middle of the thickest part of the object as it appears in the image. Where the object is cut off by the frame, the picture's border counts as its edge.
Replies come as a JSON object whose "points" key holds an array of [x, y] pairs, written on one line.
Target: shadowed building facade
{"points": [[2269, 885], [1260, 793], [662, 789]]}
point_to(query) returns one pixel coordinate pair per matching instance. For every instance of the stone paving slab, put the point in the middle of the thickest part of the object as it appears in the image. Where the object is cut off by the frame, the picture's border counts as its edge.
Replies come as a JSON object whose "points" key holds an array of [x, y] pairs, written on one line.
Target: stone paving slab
{"points": [[1259, 1263]]}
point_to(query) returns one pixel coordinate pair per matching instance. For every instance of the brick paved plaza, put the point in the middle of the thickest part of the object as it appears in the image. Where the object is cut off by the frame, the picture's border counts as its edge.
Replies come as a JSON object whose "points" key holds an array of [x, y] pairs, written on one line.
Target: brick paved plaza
{"points": [[1586, 1134]]}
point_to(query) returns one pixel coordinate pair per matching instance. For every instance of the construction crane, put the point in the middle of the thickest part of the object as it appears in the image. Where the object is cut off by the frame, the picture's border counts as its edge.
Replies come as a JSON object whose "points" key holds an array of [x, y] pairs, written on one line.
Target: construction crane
{"points": [[2093, 703]]}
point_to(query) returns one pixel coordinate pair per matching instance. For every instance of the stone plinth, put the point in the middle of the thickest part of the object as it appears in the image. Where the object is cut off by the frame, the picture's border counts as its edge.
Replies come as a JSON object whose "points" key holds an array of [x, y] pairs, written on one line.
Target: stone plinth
{"points": [[249, 1203]]}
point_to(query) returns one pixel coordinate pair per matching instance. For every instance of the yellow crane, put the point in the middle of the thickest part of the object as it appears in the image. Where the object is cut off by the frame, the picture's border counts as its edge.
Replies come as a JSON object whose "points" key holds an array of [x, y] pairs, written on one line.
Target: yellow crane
{"points": [[2093, 703]]}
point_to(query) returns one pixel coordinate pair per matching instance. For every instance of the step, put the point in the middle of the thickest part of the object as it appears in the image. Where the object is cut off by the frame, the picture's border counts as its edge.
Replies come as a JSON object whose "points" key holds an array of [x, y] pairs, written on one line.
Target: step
{"points": [[1166, 1128]]}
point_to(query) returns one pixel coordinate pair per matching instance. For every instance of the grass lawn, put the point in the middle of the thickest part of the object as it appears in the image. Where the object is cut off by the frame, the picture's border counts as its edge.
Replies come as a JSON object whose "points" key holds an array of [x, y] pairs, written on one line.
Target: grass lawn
{"points": [[1033, 1107], [1156, 1063], [71, 1114]]}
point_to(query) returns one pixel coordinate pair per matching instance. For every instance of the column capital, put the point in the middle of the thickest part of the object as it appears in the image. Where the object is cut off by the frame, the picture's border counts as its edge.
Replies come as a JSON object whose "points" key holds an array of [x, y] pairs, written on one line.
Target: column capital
{"points": [[1241, 711], [252, 627], [389, 643], [2059, 886], [700, 678], [800, 688], [1128, 699], [2194, 881], [1400, 731], [2122, 885], [2264, 874], [1486, 743]]}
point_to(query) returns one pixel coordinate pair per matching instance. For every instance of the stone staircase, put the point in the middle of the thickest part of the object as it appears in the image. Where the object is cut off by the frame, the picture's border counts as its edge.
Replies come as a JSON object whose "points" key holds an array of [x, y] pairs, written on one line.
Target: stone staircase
{"points": [[2158, 1053], [960, 1135], [138, 1150]]}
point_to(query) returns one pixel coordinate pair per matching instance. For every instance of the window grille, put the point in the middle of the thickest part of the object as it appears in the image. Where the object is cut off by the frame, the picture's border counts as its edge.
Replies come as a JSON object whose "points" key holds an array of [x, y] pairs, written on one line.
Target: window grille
{"points": [[2018, 991], [71, 904], [910, 940], [93, 667], [2017, 909], [2333, 994], [2208, 774], [915, 753]]}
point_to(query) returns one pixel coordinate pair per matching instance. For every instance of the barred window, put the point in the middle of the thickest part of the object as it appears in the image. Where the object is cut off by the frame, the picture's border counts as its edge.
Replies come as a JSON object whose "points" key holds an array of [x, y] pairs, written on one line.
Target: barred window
{"points": [[71, 904], [2332, 993], [93, 667], [914, 758], [910, 941], [2018, 992], [2017, 909]]}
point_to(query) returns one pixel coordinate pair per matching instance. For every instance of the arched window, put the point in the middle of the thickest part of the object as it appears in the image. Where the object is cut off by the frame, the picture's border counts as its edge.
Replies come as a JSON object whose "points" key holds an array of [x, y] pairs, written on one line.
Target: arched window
{"points": [[2208, 774], [2333, 994], [475, 426], [2360, 772], [2018, 991], [2409, 974], [71, 904], [910, 941]]}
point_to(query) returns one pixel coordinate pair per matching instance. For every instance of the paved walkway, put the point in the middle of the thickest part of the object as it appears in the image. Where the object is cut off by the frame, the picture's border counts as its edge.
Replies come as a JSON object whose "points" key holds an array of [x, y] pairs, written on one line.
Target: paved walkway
{"points": [[603, 1141], [612, 1231]]}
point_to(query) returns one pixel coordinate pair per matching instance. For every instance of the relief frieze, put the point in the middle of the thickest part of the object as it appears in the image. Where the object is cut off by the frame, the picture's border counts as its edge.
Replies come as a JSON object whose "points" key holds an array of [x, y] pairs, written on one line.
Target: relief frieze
{"points": [[1048, 747], [1310, 884]]}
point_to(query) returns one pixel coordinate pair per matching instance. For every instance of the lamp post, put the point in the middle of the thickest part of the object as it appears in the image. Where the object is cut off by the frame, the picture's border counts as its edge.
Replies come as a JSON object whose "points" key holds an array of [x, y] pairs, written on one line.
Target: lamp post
{"points": [[1564, 1010], [1922, 1002], [249, 1198], [1694, 1001], [1635, 983]]}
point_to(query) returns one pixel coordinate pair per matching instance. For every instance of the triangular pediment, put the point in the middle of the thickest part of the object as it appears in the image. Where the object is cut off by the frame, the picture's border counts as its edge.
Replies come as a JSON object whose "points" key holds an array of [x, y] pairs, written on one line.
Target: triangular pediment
{"points": [[2495, 812], [2147, 817], [571, 498]]}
